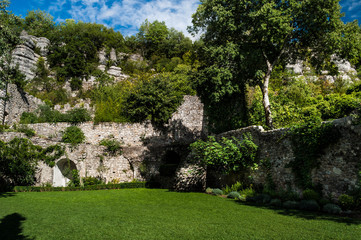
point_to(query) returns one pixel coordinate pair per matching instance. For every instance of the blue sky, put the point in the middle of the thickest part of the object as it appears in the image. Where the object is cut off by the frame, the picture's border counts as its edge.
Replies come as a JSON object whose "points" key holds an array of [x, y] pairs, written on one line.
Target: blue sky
{"points": [[127, 15]]}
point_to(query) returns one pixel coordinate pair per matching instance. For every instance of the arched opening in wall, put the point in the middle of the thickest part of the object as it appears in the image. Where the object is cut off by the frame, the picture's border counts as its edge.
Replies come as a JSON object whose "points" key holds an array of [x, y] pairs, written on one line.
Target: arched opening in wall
{"points": [[170, 163], [63, 172]]}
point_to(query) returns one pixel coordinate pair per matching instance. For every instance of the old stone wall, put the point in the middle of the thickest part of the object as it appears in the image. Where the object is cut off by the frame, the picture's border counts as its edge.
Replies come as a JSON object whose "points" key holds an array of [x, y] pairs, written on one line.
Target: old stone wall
{"points": [[339, 163], [144, 149]]}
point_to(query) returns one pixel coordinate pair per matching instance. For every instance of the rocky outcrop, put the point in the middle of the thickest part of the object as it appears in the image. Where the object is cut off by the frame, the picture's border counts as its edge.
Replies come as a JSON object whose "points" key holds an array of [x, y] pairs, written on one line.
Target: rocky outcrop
{"points": [[24, 55], [346, 73]]}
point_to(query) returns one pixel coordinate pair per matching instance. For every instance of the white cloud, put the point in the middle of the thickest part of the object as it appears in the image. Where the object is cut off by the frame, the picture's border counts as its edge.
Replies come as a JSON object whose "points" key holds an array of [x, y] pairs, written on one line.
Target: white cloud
{"points": [[130, 14]]}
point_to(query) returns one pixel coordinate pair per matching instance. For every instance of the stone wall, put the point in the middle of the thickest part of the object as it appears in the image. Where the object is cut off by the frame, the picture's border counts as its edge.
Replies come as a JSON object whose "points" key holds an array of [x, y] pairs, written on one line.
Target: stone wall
{"points": [[339, 163], [144, 147]]}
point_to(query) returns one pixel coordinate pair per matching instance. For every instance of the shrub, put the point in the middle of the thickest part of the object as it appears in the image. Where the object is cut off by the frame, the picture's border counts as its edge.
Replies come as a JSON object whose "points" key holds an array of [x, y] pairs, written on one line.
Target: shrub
{"points": [[209, 190], [346, 202], [236, 187], [247, 194], [310, 205], [276, 202], [113, 146], [226, 190], [262, 198], [217, 191], [73, 135], [332, 208], [77, 115], [28, 118], [88, 181], [233, 195], [310, 194], [291, 205], [324, 201], [75, 179], [76, 84], [29, 132]]}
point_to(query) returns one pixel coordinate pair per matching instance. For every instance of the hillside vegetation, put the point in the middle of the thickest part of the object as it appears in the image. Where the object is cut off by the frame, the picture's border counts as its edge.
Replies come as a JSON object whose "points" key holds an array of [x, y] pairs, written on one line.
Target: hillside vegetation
{"points": [[160, 65]]}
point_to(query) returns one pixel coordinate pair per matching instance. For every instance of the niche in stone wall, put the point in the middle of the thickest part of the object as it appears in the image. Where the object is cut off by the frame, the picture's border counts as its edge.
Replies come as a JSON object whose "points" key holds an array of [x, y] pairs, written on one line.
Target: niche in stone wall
{"points": [[63, 172], [170, 163]]}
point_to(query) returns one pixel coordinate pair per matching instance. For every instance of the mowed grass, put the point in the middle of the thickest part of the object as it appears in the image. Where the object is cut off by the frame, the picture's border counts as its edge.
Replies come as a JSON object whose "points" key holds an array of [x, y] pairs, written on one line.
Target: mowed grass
{"points": [[157, 214]]}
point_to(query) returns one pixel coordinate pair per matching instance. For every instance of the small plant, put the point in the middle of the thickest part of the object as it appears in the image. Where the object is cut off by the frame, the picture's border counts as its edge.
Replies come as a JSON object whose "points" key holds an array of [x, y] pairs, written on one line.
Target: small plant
{"points": [[233, 195], [115, 181], [113, 146], [226, 190], [75, 181], [217, 191], [236, 187], [88, 181], [73, 135], [346, 202], [29, 132], [209, 190], [310, 194], [247, 193], [332, 208], [291, 205], [310, 205]]}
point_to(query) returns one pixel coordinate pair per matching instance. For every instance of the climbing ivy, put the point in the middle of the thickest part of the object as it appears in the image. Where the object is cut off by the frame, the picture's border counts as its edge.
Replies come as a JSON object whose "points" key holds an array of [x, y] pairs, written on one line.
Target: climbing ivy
{"points": [[227, 155], [309, 140]]}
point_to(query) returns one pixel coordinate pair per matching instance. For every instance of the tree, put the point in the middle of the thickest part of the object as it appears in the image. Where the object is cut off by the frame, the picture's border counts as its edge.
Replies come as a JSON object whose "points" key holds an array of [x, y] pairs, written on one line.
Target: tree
{"points": [[252, 36], [9, 38], [39, 23]]}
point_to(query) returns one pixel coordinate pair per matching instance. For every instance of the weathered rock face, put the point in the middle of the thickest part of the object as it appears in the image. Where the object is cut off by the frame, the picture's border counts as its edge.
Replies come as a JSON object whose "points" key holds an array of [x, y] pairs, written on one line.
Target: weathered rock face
{"points": [[346, 73], [18, 103]]}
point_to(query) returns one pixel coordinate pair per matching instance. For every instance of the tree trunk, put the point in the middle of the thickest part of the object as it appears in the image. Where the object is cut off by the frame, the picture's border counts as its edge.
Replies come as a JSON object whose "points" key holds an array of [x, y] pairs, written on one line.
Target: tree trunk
{"points": [[266, 102]]}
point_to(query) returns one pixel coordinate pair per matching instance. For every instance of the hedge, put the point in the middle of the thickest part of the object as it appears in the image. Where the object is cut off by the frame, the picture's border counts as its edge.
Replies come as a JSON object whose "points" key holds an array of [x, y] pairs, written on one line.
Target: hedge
{"points": [[86, 188]]}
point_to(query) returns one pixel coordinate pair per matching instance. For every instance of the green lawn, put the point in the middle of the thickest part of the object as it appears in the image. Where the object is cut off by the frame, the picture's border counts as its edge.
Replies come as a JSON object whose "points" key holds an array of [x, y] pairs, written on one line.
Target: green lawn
{"points": [[157, 214]]}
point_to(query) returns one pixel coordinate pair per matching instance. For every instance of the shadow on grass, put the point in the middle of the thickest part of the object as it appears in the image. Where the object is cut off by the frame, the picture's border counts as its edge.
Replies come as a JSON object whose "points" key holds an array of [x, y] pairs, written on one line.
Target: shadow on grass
{"points": [[10, 227], [7, 194], [308, 215]]}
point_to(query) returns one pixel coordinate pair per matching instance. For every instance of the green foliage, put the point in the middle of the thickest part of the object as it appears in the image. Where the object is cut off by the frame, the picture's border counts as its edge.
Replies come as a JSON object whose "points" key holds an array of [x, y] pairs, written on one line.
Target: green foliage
{"points": [[309, 205], [29, 132], [346, 202], [113, 146], [291, 205], [84, 188], [227, 155], [75, 179], [73, 135], [156, 98], [39, 23], [308, 141], [76, 83], [19, 159], [209, 190], [233, 195], [332, 208], [310, 194], [217, 191], [247, 193], [46, 114], [88, 181]]}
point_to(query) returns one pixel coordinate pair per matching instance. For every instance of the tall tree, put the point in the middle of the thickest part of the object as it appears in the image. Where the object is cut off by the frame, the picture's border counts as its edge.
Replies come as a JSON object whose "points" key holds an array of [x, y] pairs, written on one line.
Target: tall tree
{"points": [[262, 32], [39, 23], [9, 38]]}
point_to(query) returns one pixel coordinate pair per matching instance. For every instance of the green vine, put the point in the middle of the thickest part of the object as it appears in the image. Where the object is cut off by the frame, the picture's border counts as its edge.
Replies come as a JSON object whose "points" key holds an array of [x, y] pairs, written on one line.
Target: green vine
{"points": [[309, 140]]}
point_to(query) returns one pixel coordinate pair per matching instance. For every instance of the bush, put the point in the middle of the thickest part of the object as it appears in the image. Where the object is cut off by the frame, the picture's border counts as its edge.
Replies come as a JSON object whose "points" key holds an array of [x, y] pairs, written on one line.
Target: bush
{"points": [[77, 115], [346, 202], [28, 118], [217, 191], [276, 202], [29, 132], [209, 190], [291, 205], [332, 208], [73, 135], [113, 146], [88, 181], [233, 195], [310, 194], [75, 179], [310, 205], [247, 194]]}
